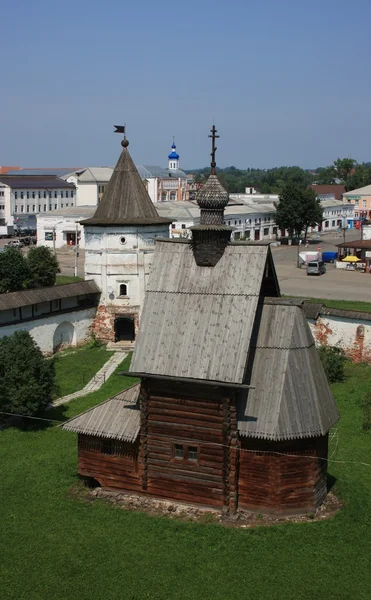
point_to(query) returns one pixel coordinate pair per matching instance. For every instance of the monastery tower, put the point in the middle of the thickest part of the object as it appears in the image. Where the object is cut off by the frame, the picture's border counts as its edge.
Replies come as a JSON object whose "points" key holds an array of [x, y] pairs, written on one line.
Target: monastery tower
{"points": [[119, 245]]}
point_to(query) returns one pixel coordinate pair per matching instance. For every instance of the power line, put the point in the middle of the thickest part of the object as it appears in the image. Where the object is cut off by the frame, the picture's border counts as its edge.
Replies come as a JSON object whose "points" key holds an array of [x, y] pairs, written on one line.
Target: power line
{"points": [[218, 444]]}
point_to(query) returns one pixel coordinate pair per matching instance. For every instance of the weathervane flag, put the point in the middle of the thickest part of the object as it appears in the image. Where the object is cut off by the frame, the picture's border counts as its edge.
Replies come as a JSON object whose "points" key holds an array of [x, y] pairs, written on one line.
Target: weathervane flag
{"points": [[119, 128]]}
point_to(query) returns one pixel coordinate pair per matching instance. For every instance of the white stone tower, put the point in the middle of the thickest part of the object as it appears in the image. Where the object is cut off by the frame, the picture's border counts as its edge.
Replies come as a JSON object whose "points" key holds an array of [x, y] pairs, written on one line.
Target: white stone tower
{"points": [[119, 245], [173, 158]]}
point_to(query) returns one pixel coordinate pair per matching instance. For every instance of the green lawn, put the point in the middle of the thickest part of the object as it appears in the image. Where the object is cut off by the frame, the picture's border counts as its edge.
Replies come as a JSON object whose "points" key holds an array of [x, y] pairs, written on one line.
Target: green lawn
{"points": [[62, 279], [55, 547], [114, 384], [76, 366], [341, 304]]}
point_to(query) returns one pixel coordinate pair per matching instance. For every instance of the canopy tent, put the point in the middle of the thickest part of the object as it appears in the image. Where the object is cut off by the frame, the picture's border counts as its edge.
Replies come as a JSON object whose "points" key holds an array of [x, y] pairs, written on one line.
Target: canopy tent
{"points": [[351, 259]]}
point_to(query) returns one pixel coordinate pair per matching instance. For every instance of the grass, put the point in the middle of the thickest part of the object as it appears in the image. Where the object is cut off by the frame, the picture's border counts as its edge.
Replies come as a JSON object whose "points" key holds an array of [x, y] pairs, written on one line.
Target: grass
{"points": [[54, 546], [114, 384], [340, 304], [76, 366], [63, 279]]}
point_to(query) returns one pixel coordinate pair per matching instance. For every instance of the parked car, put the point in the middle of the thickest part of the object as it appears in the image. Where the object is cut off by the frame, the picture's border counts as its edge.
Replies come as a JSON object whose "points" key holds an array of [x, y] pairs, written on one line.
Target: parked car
{"points": [[14, 244], [316, 267]]}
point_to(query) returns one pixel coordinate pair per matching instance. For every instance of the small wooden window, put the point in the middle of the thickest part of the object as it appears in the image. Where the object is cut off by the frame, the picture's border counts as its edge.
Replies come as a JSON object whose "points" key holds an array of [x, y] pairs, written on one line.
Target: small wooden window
{"points": [[178, 451], [185, 453], [123, 289], [193, 453]]}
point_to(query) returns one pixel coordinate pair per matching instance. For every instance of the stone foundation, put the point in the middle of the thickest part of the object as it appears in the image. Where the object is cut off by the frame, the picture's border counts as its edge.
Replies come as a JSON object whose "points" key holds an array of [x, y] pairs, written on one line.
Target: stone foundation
{"points": [[104, 323]]}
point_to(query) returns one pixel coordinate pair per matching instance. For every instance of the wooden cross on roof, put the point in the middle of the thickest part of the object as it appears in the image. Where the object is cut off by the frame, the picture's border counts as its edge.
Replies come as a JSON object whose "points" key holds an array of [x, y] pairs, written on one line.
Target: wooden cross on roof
{"points": [[213, 137]]}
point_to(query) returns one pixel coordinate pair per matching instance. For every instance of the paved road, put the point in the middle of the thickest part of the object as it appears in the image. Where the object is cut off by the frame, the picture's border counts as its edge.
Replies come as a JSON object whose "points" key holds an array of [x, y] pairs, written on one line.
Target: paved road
{"points": [[336, 283]]}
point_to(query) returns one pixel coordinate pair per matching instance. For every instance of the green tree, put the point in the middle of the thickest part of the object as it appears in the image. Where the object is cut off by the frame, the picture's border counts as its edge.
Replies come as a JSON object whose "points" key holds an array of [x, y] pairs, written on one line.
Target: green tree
{"points": [[344, 168], [359, 178], [26, 377], [310, 209], [43, 266], [14, 271], [288, 209], [297, 209]]}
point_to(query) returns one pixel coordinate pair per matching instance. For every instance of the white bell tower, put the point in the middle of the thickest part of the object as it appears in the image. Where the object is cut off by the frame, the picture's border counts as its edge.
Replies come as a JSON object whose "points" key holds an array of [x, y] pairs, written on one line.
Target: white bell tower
{"points": [[173, 158]]}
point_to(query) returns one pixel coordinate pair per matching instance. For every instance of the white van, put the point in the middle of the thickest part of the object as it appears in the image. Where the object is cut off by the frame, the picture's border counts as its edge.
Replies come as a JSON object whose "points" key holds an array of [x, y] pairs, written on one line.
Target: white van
{"points": [[316, 267]]}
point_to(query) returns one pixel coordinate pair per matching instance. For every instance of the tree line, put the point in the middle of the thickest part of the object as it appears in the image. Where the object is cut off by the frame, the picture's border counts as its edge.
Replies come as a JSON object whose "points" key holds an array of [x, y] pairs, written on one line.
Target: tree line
{"points": [[346, 171], [19, 272]]}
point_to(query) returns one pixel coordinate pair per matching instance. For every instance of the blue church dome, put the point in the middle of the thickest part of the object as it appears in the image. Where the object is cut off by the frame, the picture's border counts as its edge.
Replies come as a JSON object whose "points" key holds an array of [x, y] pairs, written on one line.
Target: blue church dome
{"points": [[173, 155]]}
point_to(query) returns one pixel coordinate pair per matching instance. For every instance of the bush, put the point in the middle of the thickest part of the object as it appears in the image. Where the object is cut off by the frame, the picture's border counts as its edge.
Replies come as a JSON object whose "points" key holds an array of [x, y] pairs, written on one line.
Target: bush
{"points": [[333, 361], [14, 271], [26, 377], [366, 406]]}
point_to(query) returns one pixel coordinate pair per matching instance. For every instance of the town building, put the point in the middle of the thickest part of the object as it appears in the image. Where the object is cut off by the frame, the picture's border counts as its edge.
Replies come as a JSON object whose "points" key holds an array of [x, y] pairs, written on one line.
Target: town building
{"points": [[90, 184], [22, 197], [331, 191], [56, 316], [337, 214], [119, 246], [233, 409], [167, 185], [361, 200]]}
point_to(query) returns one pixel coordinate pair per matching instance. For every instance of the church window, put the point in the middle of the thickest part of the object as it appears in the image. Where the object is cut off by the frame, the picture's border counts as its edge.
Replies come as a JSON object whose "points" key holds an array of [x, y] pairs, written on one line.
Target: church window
{"points": [[183, 226], [173, 226], [123, 289], [122, 240]]}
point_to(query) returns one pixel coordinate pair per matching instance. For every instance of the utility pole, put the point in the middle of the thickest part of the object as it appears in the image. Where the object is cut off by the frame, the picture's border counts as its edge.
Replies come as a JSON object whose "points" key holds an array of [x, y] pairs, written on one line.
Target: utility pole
{"points": [[297, 255], [76, 248]]}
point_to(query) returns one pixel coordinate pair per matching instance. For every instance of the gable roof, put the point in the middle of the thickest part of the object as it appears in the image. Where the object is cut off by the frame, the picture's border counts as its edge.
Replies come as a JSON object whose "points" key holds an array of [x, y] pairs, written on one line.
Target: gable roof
{"points": [[327, 189], [46, 294], [363, 191], [290, 396], [197, 321], [117, 418], [125, 200], [36, 182], [91, 174]]}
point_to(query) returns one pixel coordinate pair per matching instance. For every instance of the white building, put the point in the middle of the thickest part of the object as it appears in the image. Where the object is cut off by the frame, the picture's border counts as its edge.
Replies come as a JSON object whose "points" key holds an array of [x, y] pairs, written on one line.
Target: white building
{"points": [[119, 245], [336, 214], [90, 184], [22, 197], [58, 229]]}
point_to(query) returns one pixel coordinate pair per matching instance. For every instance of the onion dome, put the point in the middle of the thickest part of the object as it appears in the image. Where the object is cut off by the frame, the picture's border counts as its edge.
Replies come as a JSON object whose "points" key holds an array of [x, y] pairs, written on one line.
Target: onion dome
{"points": [[211, 236], [173, 154]]}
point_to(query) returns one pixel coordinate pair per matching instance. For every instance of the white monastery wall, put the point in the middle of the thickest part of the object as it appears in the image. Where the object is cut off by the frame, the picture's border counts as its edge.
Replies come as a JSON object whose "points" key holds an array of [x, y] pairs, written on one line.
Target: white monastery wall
{"points": [[66, 329], [353, 335]]}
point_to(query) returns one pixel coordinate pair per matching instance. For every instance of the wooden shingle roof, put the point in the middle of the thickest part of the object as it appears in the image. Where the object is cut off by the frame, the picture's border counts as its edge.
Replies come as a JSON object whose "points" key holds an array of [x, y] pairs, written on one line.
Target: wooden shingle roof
{"points": [[289, 396], [197, 321], [117, 418], [126, 200]]}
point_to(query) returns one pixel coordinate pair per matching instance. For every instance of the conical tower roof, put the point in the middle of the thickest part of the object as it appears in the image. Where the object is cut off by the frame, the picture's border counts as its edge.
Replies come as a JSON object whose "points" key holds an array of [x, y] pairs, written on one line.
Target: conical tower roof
{"points": [[126, 200]]}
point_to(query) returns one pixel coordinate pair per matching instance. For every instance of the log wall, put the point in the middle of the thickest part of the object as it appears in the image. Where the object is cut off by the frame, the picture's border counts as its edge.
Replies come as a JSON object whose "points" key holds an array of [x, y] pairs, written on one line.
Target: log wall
{"points": [[118, 470], [201, 419], [290, 483]]}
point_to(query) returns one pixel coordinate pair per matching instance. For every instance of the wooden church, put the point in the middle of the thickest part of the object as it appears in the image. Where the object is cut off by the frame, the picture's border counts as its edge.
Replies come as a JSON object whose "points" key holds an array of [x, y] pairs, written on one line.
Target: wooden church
{"points": [[233, 409]]}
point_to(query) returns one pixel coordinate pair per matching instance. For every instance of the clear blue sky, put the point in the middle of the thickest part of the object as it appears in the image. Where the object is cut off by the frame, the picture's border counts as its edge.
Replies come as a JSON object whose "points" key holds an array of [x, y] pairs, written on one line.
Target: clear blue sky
{"points": [[287, 81]]}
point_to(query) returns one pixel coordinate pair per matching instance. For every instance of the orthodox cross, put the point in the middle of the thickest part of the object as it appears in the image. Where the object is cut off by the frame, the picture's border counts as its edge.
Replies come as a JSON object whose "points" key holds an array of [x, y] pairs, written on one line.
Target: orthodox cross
{"points": [[213, 137]]}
